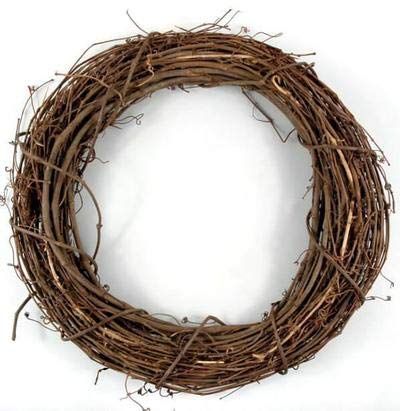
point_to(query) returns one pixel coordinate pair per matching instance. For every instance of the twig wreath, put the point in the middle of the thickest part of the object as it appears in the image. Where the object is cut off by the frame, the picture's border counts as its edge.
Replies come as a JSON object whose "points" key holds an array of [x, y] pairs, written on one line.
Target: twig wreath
{"points": [[348, 223]]}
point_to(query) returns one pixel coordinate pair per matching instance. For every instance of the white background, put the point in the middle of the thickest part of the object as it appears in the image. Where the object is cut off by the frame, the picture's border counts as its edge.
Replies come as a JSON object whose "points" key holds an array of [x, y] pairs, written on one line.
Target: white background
{"points": [[203, 208]]}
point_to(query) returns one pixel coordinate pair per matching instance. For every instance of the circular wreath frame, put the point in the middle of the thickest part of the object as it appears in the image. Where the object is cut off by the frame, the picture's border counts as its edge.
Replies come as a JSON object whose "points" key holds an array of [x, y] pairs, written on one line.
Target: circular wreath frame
{"points": [[348, 223]]}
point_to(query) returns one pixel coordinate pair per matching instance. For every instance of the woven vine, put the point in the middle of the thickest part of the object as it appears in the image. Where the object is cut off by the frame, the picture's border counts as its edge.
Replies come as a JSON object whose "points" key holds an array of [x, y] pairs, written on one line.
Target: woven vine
{"points": [[348, 223]]}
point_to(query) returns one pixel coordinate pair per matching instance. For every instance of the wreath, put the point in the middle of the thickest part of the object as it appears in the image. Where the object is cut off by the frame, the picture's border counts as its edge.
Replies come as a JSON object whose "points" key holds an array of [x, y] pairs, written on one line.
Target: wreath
{"points": [[348, 224]]}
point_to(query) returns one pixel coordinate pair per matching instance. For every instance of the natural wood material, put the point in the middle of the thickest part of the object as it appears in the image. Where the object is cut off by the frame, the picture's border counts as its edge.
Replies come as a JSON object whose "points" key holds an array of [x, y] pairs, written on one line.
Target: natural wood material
{"points": [[348, 223]]}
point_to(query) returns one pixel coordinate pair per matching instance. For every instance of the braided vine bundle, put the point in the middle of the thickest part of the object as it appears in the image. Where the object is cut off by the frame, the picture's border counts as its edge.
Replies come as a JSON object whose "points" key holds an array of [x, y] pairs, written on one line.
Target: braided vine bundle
{"points": [[348, 223]]}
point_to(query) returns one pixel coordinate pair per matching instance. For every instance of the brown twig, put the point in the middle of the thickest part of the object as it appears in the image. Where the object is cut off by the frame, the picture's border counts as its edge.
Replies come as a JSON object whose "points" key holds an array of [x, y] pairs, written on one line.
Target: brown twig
{"points": [[16, 316]]}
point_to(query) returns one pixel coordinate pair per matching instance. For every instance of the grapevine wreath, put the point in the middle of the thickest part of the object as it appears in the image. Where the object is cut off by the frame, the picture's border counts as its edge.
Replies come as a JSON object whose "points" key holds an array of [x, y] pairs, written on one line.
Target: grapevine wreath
{"points": [[348, 223]]}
